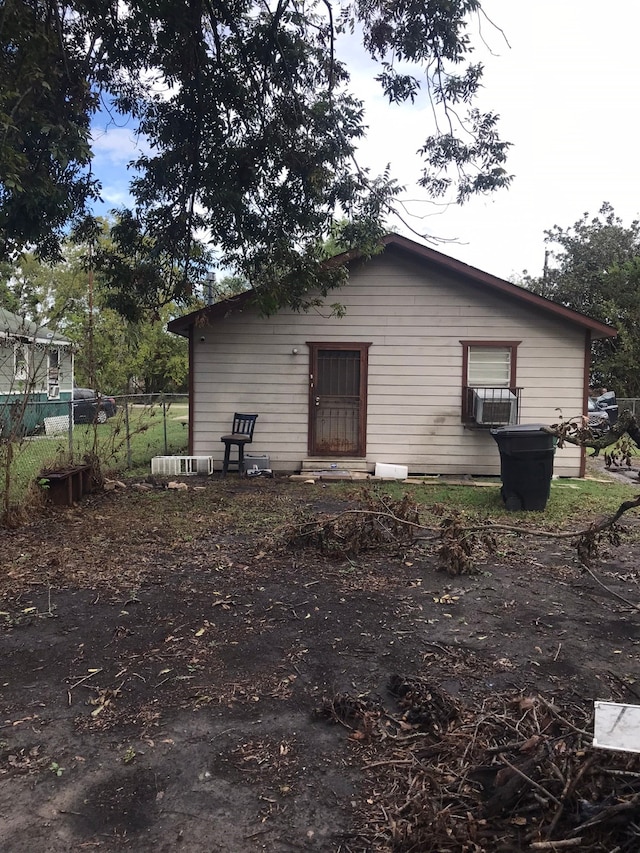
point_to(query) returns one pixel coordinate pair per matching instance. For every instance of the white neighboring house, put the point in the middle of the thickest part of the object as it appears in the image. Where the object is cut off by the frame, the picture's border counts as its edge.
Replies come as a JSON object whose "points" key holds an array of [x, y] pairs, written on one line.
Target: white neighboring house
{"points": [[429, 356]]}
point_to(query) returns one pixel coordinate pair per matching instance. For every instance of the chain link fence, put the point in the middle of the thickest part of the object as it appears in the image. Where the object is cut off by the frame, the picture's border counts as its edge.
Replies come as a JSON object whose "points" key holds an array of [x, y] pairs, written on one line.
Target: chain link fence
{"points": [[629, 404], [124, 433]]}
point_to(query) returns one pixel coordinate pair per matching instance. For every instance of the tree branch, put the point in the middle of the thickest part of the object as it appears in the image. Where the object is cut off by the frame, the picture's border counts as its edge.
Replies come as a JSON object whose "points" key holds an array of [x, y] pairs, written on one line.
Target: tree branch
{"points": [[575, 431]]}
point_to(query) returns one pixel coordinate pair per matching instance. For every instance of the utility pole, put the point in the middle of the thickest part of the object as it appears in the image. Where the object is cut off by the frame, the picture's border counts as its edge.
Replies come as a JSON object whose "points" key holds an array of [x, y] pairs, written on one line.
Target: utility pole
{"points": [[210, 286], [92, 371], [545, 269]]}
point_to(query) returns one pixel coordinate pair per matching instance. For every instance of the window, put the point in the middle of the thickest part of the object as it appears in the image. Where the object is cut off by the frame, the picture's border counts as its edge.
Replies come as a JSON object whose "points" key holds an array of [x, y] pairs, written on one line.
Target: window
{"points": [[21, 363], [53, 360], [489, 393], [489, 366], [53, 374]]}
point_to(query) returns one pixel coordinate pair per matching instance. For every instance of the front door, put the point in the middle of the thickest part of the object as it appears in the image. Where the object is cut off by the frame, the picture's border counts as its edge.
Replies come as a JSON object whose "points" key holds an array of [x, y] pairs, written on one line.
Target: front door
{"points": [[338, 399]]}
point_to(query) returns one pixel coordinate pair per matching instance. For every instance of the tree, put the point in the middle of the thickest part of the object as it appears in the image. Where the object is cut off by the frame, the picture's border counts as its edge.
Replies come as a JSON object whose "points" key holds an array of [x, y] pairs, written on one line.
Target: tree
{"points": [[596, 270], [618, 363], [46, 103], [250, 127], [124, 355], [160, 361], [138, 276]]}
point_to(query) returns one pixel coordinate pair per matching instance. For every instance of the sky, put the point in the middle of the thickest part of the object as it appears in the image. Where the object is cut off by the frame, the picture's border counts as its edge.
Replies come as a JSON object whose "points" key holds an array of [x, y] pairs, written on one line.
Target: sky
{"points": [[563, 76]]}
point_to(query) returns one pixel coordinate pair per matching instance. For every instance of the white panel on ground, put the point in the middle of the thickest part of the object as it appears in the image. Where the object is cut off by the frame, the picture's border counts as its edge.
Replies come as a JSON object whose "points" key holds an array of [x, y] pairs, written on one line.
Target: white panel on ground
{"points": [[617, 726]]}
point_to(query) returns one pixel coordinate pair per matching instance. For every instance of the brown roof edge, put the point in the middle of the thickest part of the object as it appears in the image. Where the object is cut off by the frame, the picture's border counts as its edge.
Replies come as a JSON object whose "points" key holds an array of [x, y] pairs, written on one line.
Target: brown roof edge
{"points": [[181, 325], [396, 241]]}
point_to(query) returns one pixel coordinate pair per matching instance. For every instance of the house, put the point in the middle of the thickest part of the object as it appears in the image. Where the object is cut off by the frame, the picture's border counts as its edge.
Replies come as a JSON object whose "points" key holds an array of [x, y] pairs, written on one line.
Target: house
{"points": [[36, 373], [430, 355]]}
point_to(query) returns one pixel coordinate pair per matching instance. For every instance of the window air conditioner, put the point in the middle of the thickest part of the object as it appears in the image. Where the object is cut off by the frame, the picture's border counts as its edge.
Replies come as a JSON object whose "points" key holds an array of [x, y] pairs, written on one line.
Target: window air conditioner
{"points": [[494, 406]]}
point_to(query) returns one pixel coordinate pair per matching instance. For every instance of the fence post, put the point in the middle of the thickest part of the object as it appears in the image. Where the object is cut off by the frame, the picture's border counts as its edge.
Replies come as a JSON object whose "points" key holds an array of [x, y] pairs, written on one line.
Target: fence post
{"points": [[164, 424], [70, 428], [128, 434]]}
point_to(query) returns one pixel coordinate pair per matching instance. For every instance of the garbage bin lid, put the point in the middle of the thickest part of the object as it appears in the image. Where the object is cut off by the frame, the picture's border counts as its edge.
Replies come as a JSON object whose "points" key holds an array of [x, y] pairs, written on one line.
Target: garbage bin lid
{"points": [[518, 429]]}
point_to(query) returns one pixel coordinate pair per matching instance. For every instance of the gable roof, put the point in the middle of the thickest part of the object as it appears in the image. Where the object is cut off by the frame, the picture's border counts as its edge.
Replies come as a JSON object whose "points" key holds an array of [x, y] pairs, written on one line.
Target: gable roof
{"points": [[478, 279], [14, 326]]}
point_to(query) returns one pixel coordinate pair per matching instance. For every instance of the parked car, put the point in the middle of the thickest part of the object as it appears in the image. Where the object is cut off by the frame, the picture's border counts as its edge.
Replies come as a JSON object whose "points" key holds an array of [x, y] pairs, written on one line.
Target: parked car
{"points": [[90, 407], [602, 412]]}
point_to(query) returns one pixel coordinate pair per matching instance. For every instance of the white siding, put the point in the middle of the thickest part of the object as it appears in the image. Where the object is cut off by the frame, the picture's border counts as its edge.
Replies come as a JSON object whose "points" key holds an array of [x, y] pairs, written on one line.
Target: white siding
{"points": [[414, 320]]}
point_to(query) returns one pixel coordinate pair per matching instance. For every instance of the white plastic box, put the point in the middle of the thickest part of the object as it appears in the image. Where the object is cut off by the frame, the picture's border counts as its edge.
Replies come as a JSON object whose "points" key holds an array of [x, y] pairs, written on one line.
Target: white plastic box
{"points": [[56, 425], [181, 466], [391, 472]]}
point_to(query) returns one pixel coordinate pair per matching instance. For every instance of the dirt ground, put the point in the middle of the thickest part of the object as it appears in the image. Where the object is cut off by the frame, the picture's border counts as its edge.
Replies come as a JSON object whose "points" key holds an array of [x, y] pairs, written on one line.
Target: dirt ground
{"points": [[170, 682]]}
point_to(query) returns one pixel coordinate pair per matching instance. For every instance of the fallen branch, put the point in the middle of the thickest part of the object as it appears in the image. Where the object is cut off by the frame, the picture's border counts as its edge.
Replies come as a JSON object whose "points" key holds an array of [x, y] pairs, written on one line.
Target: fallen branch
{"points": [[576, 431], [610, 591], [308, 528], [570, 786], [631, 805], [546, 794], [78, 683], [396, 524]]}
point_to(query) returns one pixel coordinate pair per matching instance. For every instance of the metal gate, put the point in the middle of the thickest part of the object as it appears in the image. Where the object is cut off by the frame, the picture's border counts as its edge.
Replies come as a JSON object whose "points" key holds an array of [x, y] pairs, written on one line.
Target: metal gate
{"points": [[338, 399]]}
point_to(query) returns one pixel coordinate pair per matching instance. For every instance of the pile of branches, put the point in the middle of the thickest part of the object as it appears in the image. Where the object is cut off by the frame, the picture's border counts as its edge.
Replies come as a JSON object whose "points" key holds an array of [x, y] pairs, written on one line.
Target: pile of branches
{"points": [[383, 523], [457, 540], [514, 772]]}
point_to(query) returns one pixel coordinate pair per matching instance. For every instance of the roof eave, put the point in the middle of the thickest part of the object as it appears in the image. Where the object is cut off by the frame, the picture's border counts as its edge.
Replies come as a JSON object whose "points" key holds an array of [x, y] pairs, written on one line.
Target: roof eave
{"points": [[202, 316]]}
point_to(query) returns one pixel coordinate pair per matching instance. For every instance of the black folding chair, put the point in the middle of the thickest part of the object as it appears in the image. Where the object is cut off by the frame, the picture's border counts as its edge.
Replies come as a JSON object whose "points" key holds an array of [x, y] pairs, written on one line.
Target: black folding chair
{"points": [[241, 434]]}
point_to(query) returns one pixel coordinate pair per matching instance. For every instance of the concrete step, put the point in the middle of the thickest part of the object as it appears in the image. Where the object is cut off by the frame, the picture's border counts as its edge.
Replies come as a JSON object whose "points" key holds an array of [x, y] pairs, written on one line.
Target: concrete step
{"points": [[328, 463]]}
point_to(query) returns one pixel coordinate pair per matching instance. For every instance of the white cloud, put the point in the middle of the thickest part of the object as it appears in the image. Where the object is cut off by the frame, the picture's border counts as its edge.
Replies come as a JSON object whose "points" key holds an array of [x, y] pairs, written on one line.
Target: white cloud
{"points": [[115, 146], [565, 91], [115, 195]]}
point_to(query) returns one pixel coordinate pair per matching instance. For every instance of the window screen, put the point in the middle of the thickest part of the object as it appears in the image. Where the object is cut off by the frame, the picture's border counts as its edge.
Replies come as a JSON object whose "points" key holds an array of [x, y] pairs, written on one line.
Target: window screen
{"points": [[489, 366]]}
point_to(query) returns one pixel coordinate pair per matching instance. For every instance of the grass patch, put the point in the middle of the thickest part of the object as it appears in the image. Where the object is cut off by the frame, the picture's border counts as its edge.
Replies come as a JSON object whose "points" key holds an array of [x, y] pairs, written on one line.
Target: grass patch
{"points": [[119, 449], [150, 434], [571, 503]]}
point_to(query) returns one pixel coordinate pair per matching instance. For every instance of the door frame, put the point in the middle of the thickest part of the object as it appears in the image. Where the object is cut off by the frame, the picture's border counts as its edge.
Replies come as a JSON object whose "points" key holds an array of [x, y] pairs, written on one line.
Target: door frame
{"points": [[363, 349]]}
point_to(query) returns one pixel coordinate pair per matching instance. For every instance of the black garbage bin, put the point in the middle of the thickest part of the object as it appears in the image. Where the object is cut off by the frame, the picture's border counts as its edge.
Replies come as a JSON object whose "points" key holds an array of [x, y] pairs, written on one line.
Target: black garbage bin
{"points": [[526, 465]]}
